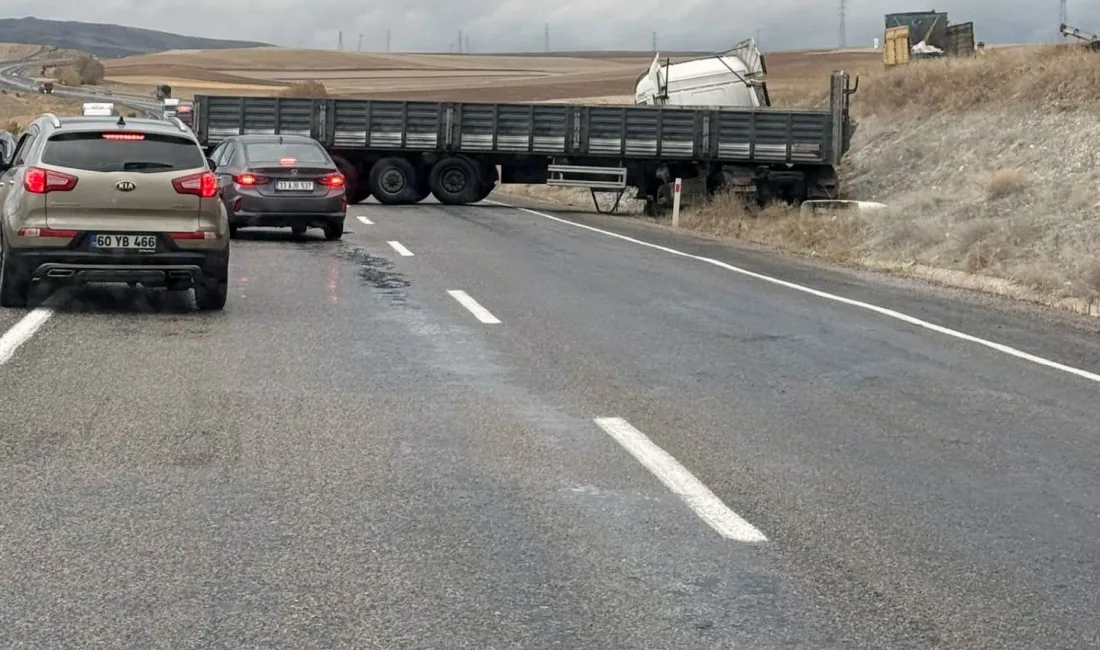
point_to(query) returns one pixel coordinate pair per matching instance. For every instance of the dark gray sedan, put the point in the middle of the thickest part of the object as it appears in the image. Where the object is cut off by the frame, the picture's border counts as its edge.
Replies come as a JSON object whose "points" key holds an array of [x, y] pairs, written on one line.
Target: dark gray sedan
{"points": [[280, 181]]}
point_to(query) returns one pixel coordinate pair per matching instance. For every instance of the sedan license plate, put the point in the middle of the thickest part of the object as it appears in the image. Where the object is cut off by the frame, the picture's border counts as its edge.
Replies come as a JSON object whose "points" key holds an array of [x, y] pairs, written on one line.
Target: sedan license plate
{"points": [[138, 242], [294, 186]]}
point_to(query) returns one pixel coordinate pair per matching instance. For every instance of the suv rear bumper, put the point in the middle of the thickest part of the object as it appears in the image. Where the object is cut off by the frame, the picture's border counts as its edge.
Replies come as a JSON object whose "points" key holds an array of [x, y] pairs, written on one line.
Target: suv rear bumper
{"points": [[156, 270]]}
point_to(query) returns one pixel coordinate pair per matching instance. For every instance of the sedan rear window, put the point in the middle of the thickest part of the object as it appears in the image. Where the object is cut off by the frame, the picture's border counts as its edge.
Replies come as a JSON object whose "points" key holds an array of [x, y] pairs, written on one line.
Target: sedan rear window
{"points": [[105, 152], [303, 152]]}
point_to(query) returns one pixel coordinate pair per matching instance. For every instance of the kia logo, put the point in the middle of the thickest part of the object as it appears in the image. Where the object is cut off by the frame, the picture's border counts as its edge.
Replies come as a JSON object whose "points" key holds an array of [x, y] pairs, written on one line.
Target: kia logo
{"points": [[125, 186]]}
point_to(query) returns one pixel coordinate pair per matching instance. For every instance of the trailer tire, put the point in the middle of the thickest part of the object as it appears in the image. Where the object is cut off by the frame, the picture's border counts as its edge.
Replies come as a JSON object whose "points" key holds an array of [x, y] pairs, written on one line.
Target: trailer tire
{"points": [[351, 179], [455, 181], [393, 181]]}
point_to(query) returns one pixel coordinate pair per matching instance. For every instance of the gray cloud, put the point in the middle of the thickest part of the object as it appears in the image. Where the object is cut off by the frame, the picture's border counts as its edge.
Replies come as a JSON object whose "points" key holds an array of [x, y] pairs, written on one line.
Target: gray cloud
{"points": [[517, 25]]}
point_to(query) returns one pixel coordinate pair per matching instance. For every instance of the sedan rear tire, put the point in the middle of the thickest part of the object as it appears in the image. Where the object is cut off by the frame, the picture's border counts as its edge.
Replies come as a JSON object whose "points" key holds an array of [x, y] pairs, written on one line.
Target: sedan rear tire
{"points": [[334, 229]]}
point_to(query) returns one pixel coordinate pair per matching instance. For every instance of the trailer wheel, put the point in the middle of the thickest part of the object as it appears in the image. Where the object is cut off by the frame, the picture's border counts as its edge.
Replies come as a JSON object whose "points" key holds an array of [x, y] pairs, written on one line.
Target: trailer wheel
{"points": [[393, 181], [351, 179], [455, 181]]}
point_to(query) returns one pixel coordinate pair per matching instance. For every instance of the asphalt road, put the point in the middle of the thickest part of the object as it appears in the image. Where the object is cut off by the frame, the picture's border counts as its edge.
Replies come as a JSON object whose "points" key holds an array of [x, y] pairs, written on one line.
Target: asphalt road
{"points": [[350, 456]]}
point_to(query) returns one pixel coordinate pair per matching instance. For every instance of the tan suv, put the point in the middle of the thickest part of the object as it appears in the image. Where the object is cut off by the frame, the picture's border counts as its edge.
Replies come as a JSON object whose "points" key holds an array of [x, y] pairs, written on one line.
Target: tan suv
{"points": [[106, 199]]}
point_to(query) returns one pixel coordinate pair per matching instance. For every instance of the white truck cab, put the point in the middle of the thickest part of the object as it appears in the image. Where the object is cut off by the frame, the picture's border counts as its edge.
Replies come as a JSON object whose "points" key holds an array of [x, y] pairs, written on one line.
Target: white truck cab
{"points": [[734, 78]]}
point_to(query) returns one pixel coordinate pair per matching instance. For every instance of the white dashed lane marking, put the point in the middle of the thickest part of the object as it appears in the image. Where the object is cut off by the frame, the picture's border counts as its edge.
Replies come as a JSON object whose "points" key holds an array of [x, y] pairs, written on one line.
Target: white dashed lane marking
{"points": [[401, 250], [479, 312], [682, 482]]}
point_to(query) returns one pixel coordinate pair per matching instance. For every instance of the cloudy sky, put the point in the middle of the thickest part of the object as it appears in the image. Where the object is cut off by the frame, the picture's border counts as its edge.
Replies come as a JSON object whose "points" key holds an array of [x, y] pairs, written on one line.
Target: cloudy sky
{"points": [[517, 25]]}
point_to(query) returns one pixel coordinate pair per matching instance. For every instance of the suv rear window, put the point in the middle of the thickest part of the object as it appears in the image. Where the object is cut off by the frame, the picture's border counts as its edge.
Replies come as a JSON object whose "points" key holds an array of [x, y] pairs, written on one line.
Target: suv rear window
{"points": [[304, 152], [92, 151]]}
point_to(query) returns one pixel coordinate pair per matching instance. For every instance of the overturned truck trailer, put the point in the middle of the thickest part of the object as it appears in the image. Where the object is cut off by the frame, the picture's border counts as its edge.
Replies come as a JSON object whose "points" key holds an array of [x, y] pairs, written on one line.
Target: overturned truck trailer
{"points": [[925, 34], [402, 151]]}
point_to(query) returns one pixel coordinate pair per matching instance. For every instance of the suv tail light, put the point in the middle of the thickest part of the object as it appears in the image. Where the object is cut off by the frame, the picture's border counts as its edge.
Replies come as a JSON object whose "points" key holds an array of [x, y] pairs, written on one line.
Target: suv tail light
{"points": [[198, 234], [332, 180], [250, 180], [42, 181], [47, 232], [203, 185]]}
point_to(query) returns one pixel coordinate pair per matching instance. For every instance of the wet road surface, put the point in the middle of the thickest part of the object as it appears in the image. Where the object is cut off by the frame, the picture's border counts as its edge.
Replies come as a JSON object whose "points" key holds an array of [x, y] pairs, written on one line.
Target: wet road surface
{"points": [[481, 427]]}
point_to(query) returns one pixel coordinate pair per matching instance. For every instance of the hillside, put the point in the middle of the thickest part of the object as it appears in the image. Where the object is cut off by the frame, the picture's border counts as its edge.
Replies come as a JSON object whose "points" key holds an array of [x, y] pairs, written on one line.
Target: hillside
{"points": [[986, 169], [105, 40]]}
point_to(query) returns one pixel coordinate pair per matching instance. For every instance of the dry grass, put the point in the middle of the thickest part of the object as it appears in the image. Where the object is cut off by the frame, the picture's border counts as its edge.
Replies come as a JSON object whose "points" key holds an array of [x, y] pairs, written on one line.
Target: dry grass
{"points": [[1050, 78], [309, 89], [21, 108]]}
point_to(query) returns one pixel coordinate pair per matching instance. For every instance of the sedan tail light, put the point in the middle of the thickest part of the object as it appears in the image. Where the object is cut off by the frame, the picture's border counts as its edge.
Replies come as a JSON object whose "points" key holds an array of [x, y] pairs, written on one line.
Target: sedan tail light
{"points": [[250, 180], [332, 180], [203, 184], [42, 181]]}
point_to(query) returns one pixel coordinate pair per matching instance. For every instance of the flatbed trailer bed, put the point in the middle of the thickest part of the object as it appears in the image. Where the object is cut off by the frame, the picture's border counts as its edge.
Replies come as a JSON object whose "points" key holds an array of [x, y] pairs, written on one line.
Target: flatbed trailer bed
{"points": [[400, 151]]}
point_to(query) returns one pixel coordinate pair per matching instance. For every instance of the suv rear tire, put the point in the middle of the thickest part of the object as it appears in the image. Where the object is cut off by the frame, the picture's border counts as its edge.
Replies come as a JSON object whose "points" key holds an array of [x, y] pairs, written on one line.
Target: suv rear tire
{"points": [[15, 288], [212, 291]]}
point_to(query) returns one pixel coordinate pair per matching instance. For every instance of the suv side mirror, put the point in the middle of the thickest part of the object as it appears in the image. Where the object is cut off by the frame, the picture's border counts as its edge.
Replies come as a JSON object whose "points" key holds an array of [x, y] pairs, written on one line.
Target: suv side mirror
{"points": [[211, 164]]}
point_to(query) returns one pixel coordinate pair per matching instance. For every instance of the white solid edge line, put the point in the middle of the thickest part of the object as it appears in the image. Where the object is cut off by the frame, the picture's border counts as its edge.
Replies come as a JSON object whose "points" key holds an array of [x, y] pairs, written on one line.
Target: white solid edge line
{"points": [[479, 312], [365, 221], [681, 482], [890, 313], [22, 331], [400, 248]]}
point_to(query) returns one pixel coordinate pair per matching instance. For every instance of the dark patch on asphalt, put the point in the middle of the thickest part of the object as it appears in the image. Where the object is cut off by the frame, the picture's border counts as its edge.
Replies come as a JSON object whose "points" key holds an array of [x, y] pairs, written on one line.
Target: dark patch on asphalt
{"points": [[376, 272]]}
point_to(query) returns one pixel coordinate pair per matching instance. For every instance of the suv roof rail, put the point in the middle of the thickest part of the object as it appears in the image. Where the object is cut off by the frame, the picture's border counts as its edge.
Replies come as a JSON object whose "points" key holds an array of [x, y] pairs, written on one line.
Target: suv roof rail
{"points": [[53, 120], [178, 122]]}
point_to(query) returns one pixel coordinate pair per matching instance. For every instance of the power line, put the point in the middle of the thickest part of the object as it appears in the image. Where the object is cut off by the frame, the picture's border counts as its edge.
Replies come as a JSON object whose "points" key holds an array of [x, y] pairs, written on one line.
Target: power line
{"points": [[843, 26], [467, 46], [387, 41], [460, 41], [359, 48], [1063, 13], [546, 38], [654, 42]]}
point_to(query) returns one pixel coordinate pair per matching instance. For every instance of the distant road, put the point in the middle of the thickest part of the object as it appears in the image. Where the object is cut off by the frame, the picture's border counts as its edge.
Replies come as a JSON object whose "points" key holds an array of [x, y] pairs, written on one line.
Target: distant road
{"points": [[12, 74]]}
